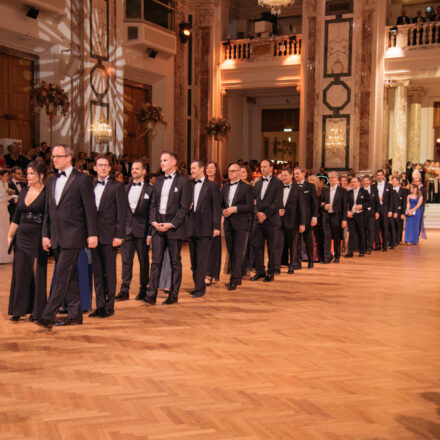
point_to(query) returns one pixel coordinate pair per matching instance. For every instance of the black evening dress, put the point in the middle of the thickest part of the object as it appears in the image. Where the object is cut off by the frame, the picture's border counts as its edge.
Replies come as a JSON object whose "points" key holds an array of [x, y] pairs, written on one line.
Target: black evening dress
{"points": [[28, 284]]}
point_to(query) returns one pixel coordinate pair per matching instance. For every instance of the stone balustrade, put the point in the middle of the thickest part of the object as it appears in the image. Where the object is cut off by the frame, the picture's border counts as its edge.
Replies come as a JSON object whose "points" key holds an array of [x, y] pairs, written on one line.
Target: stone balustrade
{"points": [[413, 35], [272, 47]]}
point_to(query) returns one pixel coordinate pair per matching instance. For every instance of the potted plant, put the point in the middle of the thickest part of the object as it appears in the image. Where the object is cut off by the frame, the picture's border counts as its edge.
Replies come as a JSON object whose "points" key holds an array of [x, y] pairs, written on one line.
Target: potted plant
{"points": [[150, 115], [52, 97], [218, 127]]}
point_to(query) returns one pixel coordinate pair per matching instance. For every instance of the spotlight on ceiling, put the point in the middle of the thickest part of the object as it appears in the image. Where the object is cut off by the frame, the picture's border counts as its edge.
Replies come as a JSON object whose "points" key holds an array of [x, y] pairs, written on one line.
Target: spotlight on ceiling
{"points": [[185, 32], [32, 12], [152, 53]]}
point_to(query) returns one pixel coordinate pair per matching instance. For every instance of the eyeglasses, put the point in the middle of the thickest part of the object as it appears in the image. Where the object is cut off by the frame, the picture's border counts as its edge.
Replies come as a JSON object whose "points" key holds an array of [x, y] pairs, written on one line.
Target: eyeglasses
{"points": [[59, 156], [233, 171]]}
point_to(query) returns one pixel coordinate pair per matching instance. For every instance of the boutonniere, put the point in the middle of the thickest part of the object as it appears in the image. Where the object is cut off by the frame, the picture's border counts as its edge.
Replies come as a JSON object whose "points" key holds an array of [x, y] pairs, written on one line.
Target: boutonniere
{"points": [[146, 196], [176, 189]]}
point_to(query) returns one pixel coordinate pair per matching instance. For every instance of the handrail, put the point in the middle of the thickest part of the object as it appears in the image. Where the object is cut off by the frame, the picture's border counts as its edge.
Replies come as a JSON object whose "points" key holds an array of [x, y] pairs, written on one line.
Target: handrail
{"points": [[413, 35]]}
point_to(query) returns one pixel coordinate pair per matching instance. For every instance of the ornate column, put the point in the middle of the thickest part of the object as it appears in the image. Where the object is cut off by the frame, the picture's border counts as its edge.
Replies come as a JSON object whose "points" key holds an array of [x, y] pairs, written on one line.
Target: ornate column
{"points": [[400, 125], [415, 122]]}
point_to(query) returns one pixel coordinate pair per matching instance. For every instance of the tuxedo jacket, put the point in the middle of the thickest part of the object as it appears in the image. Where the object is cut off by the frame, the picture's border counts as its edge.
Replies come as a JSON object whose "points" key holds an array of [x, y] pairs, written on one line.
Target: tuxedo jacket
{"points": [[295, 208], [126, 172], [387, 199], [373, 200], [311, 200], [363, 199], [112, 213], [272, 201], [206, 216], [339, 202], [244, 201], [179, 200], [138, 222], [399, 201], [74, 219]]}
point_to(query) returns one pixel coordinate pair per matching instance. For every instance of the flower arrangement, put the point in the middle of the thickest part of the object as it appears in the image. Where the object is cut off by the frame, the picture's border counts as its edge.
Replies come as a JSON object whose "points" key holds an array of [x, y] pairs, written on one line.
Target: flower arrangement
{"points": [[51, 96], [150, 112], [218, 126]]}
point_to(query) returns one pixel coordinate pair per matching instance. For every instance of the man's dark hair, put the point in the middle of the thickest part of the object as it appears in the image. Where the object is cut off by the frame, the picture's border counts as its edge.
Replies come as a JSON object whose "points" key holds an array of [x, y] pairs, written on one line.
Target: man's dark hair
{"points": [[299, 168], [200, 163], [266, 160], [170, 153], [288, 169], [139, 161], [102, 156], [380, 171]]}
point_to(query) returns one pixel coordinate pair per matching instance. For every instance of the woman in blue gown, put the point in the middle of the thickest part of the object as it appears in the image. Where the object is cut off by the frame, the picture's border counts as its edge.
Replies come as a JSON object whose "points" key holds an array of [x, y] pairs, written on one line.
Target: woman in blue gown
{"points": [[414, 215]]}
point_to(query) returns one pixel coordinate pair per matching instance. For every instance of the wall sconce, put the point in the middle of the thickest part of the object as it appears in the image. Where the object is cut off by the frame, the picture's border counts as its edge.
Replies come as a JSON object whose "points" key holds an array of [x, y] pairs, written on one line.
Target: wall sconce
{"points": [[185, 32]]}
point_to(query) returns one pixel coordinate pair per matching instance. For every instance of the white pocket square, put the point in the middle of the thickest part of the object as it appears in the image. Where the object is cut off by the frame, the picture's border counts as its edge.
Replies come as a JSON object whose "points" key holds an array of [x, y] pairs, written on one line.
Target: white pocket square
{"points": [[306, 192], [146, 196], [176, 190]]}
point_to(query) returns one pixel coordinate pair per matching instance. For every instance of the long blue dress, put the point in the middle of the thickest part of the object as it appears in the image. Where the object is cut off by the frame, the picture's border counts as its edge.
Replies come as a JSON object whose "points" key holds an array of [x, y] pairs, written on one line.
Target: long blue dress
{"points": [[412, 228]]}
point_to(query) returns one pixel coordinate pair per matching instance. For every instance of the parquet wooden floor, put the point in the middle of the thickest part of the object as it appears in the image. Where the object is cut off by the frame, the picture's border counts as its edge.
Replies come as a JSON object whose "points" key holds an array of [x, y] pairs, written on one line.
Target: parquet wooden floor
{"points": [[348, 351]]}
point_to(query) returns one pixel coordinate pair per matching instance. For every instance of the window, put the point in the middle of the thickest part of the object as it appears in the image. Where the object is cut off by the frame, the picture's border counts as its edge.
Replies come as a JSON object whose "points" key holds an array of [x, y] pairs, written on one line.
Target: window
{"points": [[160, 12]]}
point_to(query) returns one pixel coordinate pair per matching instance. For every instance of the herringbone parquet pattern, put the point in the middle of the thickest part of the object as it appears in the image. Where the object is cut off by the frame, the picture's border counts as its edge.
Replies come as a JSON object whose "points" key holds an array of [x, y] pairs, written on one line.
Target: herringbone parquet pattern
{"points": [[348, 351]]}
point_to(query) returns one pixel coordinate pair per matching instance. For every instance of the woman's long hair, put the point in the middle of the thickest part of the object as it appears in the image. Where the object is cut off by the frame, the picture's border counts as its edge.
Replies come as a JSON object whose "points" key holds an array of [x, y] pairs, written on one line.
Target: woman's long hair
{"points": [[249, 178], [40, 169], [218, 176]]}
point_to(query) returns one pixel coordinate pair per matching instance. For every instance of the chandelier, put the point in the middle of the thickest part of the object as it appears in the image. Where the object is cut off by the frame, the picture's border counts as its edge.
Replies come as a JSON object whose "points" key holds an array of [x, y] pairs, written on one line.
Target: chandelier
{"points": [[275, 5]]}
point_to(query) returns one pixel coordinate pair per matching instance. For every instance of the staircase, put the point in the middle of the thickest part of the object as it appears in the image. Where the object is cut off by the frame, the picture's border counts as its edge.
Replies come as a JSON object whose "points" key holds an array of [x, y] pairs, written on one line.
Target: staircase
{"points": [[432, 216]]}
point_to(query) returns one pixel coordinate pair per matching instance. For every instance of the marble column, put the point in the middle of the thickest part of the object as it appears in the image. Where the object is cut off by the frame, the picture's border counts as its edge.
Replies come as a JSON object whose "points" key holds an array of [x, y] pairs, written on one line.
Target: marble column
{"points": [[415, 124], [400, 126]]}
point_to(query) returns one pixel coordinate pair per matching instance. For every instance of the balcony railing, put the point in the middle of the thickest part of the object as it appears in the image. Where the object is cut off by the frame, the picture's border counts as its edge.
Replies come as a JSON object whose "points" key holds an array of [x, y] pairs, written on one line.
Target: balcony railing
{"points": [[252, 49], [413, 35]]}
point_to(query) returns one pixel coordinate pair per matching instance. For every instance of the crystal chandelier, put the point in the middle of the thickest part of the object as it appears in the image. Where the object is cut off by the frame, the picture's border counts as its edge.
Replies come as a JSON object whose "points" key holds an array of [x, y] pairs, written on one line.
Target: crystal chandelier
{"points": [[275, 5]]}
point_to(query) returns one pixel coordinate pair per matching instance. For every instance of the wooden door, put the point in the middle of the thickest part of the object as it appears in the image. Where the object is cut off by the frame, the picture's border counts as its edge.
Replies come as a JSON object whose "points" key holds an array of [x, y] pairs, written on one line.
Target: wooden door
{"points": [[136, 140], [16, 79]]}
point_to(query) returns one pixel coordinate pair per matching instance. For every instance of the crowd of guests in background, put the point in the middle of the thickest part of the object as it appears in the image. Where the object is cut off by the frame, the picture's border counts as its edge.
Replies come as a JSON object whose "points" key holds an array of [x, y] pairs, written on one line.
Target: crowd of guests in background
{"points": [[431, 15], [294, 214]]}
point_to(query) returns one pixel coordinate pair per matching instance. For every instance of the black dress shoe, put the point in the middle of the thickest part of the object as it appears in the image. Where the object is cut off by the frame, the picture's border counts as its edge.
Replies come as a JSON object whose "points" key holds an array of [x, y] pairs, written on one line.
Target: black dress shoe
{"points": [[361, 254], [68, 321], [62, 311], [231, 286], [349, 255], [170, 301], [268, 278], [121, 296], [377, 249], [277, 272], [97, 312], [150, 300], [44, 323], [290, 271], [392, 247], [385, 249], [32, 319], [369, 252], [14, 318], [107, 313], [325, 262], [197, 294], [311, 265], [140, 296], [257, 277], [297, 267], [336, 260]]}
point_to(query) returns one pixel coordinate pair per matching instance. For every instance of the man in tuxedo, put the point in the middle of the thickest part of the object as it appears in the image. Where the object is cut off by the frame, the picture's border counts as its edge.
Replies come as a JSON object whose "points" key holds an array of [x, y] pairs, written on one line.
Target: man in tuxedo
{"points": [[169, 208], [268, 193], [399, 195], [334, 219], [138, 196], [17, 183], [293, 218], [417, 180], [357, 199], [126, 166], [385, 210], [403, 19], [112, 216], [237, 205], [203, 223], [371, 214], [70, 224], [312, 208]]}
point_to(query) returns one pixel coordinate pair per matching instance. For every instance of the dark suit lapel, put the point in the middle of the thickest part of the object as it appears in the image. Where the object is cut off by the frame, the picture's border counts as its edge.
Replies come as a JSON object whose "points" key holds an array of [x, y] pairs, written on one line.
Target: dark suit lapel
{"points": [[203, 191], [171, 193], [73, 175], [240, 183], [141, 196], [105, 194]]}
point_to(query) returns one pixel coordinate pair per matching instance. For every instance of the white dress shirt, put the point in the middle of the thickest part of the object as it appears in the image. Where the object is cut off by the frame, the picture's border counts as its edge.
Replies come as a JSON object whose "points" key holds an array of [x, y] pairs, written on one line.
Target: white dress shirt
{"points": [[61, 183], [99, 189], [368, 188], [17, 184], [286, 193], [355, 196], [396, 188], [265, 185], [197, 188], [133, 196], [380, 189], [332, 196], [232, 189], [167, 183]]}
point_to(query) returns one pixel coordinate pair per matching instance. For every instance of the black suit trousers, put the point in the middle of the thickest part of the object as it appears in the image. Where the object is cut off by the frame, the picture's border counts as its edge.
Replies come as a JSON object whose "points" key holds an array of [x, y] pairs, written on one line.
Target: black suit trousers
{"points": [[129, 246], [370, 229], [265, 234], [307, 236], [236, 242], [159, 243], [199, 251], [398, 228], [383, 228], [356, 228], [104, 275], [287, 238], [65, 286], [331, 224]]}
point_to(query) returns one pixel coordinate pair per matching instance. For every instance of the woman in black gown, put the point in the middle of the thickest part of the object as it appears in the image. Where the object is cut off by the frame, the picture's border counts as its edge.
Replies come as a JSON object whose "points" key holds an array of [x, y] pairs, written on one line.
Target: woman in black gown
{"points": [[28, 284]]}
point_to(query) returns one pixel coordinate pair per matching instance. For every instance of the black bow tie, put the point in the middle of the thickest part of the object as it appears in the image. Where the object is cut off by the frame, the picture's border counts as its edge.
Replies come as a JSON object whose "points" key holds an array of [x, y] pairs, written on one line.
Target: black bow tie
{"points": [[286, 186], [235, 183], [265, 179], [59, 174], [136, 184], [168, 177], [197, 181], [100, 182]]}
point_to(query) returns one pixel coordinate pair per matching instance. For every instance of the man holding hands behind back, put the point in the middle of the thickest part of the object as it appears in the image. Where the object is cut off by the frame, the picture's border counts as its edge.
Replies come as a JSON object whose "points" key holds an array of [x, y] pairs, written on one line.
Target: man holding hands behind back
{"points": [[70, 223]]}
